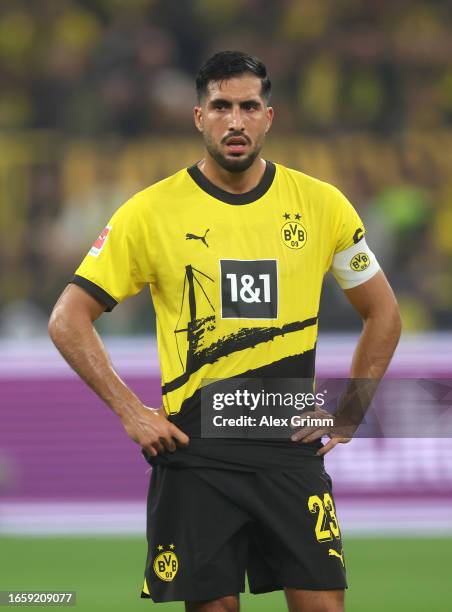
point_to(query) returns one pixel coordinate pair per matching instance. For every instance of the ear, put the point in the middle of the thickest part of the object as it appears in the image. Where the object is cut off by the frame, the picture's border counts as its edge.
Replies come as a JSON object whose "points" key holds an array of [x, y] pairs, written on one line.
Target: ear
{"points": [[198, 117], [270, 115]]}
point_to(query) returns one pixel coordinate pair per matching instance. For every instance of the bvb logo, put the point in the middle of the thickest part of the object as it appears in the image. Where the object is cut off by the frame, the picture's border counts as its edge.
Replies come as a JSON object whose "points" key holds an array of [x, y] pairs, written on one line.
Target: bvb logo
{"points": [[359, 262], [166, 563], [293, 235]]}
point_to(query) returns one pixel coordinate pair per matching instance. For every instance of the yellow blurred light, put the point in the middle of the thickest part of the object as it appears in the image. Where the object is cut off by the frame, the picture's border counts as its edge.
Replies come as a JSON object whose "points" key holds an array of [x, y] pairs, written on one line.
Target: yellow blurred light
{"points": [[17, 32]]}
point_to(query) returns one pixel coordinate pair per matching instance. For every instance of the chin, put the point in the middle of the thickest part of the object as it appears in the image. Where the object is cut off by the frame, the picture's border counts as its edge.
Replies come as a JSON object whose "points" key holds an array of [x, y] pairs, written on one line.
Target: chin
{"points": [[238, 164]]}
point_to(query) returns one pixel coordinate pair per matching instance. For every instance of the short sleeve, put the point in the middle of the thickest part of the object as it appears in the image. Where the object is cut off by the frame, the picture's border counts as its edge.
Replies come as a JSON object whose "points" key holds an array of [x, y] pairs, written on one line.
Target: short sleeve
{"points": [[353, 262], [120, 262], [350, 228]]}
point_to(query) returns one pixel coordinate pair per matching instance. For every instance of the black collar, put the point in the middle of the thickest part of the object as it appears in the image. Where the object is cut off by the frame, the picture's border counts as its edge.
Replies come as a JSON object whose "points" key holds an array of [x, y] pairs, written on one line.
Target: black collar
{"points": [[234, 198]]}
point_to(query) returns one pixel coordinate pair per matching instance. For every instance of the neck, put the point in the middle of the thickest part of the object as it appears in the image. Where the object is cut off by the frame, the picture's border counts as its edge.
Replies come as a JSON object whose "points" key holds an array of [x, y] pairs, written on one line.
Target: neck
{"points": [[234, 182]]}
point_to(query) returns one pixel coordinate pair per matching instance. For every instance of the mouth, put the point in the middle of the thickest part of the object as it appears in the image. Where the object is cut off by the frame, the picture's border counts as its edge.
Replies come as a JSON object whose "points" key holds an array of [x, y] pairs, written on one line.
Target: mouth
{"points": [[236, 145]]}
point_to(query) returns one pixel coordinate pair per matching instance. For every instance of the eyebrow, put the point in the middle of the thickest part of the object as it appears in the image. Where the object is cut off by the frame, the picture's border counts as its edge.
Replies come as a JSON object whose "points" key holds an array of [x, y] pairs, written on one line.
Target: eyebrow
{"points": [[254, 101]]}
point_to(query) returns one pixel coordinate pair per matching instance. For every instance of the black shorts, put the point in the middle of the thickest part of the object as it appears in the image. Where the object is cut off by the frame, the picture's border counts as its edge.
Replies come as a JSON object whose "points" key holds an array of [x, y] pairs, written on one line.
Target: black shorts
{"points": [[207, 527]]}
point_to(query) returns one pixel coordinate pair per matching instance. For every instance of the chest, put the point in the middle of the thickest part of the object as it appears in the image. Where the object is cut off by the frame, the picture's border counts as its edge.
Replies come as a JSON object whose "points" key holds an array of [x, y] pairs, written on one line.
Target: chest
{"points": [[241, 261]]}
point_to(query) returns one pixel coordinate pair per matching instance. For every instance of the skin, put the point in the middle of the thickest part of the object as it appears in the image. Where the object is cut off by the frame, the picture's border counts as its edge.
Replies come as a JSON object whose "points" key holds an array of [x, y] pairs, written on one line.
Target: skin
{"points": [[376, 304], [231, 108], [72, 331]]}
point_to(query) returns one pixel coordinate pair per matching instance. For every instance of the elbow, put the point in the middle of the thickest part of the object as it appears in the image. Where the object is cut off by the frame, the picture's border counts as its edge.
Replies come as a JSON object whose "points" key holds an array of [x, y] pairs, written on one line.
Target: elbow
{"points": [[52, 326], [396, 322], [57, 323], [388, 321], [399, 320], [391, 327]]}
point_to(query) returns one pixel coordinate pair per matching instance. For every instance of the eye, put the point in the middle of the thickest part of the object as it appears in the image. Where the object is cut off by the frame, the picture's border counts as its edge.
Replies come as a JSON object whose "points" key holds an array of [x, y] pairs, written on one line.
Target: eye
{"points": [[250, 106], [219, 105]]}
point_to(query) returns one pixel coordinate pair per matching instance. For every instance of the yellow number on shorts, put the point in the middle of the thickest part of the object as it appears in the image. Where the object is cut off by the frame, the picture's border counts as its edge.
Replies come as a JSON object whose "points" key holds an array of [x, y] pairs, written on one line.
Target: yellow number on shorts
{"points": [[315, 504], [325, 508], [329, 506]]}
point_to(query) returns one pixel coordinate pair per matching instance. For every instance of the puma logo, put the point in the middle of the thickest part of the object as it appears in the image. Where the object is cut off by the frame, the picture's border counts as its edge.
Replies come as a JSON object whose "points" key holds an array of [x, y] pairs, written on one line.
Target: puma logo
{"points": [[195, 237], [334, 553]]}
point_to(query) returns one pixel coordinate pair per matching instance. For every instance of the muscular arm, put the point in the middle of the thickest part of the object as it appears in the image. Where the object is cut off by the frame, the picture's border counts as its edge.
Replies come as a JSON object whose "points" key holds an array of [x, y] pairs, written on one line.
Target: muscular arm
{"points": [[375, 303], [72, 331]]}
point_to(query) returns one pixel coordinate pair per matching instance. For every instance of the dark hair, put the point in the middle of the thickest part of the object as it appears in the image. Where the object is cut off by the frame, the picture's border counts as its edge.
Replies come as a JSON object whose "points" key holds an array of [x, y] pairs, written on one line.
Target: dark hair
{"points": [[227, 64]]}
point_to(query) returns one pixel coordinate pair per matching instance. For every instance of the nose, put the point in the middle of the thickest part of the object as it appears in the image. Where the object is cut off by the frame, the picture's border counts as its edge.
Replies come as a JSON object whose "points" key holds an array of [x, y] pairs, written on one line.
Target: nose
{"points": [[236, 119]]}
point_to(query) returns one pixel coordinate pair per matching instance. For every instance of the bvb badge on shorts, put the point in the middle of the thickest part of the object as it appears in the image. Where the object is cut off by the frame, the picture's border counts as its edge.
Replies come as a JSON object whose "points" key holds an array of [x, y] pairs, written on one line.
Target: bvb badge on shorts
{"points": [[359, 262], [166, 563], [293, 233]]}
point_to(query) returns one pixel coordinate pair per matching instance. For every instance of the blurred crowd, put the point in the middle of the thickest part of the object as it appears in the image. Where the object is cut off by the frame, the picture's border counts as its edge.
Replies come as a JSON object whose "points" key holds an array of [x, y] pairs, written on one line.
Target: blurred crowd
{"points": [[95, 103]]}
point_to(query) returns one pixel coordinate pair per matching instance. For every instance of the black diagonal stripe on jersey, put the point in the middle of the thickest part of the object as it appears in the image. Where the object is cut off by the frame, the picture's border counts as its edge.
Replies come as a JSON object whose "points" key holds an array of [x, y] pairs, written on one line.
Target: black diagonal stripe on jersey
{"points": [[295, 366], [246, 337]]}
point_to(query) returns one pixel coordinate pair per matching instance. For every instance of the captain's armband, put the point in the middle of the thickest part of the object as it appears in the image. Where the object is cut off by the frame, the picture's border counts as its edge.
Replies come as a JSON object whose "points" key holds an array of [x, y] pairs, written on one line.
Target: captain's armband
{"points": [[354, 265]]}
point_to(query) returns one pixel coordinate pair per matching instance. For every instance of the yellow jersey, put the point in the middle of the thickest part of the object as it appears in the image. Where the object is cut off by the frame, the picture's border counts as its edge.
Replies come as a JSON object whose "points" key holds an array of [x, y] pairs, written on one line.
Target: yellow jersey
{"points": [[235, 279]]}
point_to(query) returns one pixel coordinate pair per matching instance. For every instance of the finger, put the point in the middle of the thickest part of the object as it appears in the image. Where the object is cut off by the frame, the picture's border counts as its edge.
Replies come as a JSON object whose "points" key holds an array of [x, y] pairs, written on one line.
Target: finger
{"points": [[316, 435], [151, 451], [328, 447], [302, 436], [179, 435], [158, 447], [303, 432], [169, 444]]}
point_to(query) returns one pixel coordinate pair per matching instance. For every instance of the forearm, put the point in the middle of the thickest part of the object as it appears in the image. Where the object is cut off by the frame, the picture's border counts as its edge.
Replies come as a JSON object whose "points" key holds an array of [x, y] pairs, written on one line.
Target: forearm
{"points": [[371, 358], [75, 337], [376, 345]]}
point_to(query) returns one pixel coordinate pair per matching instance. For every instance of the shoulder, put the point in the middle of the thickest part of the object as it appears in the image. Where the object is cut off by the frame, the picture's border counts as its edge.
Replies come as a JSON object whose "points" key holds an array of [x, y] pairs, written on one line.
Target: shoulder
{"points": [[311, 186], [171, 186], [156, 196]]}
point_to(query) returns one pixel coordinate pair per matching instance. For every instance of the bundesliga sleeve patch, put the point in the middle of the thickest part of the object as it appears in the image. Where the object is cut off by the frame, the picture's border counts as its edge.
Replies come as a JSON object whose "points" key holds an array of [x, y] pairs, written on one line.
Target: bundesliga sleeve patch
{"points": [[354, 265], [97, 247]]}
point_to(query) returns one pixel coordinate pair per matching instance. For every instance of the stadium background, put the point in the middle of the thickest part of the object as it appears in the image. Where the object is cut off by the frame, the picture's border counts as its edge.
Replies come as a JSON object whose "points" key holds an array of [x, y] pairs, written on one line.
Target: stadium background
{"points": [[95, 104]]}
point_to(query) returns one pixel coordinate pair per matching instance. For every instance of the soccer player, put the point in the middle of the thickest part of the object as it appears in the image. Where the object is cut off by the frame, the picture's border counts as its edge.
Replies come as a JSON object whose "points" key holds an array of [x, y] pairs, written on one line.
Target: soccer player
{"points": [[234, 250]]}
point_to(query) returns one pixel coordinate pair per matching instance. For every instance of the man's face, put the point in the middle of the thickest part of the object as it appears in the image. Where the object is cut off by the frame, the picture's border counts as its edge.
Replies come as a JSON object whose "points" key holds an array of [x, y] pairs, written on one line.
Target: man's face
{"points": [[233, 119]]}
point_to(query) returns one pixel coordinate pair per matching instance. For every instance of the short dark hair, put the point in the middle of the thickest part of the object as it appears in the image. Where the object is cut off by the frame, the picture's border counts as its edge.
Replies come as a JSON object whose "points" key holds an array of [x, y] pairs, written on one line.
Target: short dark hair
{"points": [[227, 64]]}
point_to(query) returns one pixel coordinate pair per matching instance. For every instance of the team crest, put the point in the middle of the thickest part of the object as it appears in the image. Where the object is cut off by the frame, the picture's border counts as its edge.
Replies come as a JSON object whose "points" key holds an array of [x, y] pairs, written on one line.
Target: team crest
{"points": [[359, 262], [293, 233], [166, 563]]}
